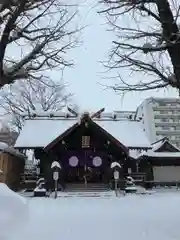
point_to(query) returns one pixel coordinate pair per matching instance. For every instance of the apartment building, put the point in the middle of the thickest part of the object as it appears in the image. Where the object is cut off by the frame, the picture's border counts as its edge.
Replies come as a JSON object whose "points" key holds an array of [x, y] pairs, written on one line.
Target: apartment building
{"points": [[160, 118]]}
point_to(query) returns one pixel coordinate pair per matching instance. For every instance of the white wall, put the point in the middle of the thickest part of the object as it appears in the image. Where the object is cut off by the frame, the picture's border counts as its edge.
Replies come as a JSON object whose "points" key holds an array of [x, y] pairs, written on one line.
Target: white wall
{"points": [[166, 173], [145, 111]]}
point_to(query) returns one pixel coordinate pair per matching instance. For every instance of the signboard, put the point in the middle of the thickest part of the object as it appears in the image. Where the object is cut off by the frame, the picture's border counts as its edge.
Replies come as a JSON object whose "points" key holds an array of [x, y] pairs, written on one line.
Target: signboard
{"points": [[55, 175], [38, 171], [116, 175]]}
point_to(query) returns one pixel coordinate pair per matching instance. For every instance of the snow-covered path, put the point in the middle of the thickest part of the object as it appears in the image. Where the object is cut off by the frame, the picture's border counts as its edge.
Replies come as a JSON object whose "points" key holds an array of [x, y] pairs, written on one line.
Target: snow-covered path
{"points": [[150, 217]]}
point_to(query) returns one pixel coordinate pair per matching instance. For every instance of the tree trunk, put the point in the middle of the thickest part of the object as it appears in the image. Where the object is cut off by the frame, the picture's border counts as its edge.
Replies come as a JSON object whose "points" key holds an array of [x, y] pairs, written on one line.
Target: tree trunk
{"points": [[171, 34]]}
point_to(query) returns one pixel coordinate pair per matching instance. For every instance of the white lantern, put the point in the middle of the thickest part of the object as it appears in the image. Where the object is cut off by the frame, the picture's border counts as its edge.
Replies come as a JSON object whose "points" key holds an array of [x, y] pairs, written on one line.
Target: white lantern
{"points": [[73, 161], [55, 175], [97, 161], [116, 175]]}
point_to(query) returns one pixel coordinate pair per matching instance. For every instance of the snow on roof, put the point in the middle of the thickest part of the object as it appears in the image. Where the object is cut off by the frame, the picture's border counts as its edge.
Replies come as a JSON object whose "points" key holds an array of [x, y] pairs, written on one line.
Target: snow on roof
{"points": [[41, 132], [6, 149], [157, 145], [3, 145], [134, 153], [14, 152], [55, 164], [129, 133], [151, 153], [115, 164], [161, 142]]}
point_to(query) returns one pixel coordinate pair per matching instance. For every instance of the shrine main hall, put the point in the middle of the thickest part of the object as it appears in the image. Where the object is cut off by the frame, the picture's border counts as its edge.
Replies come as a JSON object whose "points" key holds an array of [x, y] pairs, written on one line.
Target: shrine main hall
{"points": [[86, 144]]}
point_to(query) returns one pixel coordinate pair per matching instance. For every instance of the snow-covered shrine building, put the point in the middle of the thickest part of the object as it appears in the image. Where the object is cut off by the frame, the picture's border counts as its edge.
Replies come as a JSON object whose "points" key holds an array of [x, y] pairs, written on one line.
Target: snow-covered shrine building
{"points": [[161, 163], [86, 144]]}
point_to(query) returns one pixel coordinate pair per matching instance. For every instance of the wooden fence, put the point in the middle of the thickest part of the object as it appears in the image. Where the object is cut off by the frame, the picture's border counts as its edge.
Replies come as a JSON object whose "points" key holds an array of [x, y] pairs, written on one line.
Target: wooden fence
{"points": [[11, 167]]}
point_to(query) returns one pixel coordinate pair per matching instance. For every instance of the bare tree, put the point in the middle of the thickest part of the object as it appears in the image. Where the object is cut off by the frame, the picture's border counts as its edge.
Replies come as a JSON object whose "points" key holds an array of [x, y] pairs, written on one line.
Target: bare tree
{"points": [[35, 36], [147, 43], [26, 97]]}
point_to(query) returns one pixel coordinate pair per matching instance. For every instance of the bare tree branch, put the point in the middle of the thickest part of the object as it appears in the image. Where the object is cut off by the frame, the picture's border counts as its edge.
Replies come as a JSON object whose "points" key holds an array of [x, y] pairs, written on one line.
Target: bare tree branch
{"points": [[147, 43], [27, 96], [40, 32]]}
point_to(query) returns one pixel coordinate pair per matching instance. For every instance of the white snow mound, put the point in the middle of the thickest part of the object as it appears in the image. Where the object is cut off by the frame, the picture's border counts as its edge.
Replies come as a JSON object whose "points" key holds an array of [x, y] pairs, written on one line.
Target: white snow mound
{"points": [[13, 211], [5, 191]]}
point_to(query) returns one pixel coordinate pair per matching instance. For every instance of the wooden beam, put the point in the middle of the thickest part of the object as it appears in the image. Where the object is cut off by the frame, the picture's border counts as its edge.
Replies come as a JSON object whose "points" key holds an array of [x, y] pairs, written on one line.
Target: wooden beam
{"points": [[72, 111], [97, 114]]}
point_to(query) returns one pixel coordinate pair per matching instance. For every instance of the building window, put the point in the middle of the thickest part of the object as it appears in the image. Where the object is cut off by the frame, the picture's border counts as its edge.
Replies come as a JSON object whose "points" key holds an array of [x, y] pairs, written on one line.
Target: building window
{"points": [[172, 138], [175, 120], [165, 120], [165, 128], [174, 104], [162, 104], [162, 112], [85, 141]]}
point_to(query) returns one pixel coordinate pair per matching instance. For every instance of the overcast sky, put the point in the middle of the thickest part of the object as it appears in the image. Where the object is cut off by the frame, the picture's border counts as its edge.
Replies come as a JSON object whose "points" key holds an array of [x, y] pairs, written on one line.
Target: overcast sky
{"points": [[85, 78]]}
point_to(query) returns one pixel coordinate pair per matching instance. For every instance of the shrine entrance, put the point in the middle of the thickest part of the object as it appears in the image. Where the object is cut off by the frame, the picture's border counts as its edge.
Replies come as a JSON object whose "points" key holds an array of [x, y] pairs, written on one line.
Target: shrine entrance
{"points": [[85, 166], [85, 152]]}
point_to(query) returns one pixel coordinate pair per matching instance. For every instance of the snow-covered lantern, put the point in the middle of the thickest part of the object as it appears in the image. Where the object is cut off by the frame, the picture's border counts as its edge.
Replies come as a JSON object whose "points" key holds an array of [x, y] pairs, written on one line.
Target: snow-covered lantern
{"points": [[55, 166], [115, 166], [130, 185], [40, 190]]}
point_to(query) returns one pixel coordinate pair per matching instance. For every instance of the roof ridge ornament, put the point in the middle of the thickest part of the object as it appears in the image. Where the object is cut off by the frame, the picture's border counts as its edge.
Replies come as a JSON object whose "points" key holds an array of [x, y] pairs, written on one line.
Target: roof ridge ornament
{"points": [[72, 111], [98, 113]]}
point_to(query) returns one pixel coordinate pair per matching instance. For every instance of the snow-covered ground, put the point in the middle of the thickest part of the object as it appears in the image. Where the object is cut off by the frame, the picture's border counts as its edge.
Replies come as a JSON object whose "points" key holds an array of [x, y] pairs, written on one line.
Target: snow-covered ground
{"points": [[137, 217]]}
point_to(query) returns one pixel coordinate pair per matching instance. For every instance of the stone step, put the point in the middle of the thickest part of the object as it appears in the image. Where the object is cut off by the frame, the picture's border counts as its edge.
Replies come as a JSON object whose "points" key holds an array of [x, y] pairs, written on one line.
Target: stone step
{"points": [[84, 194], [87, 188]]}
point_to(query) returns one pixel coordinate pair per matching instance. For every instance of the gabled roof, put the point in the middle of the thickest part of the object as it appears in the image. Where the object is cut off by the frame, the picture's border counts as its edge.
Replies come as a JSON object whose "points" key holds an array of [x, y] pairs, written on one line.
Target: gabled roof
{"points": [[164, 145], [41, 131], [98, 129], [128, 132], [162, 149]]}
